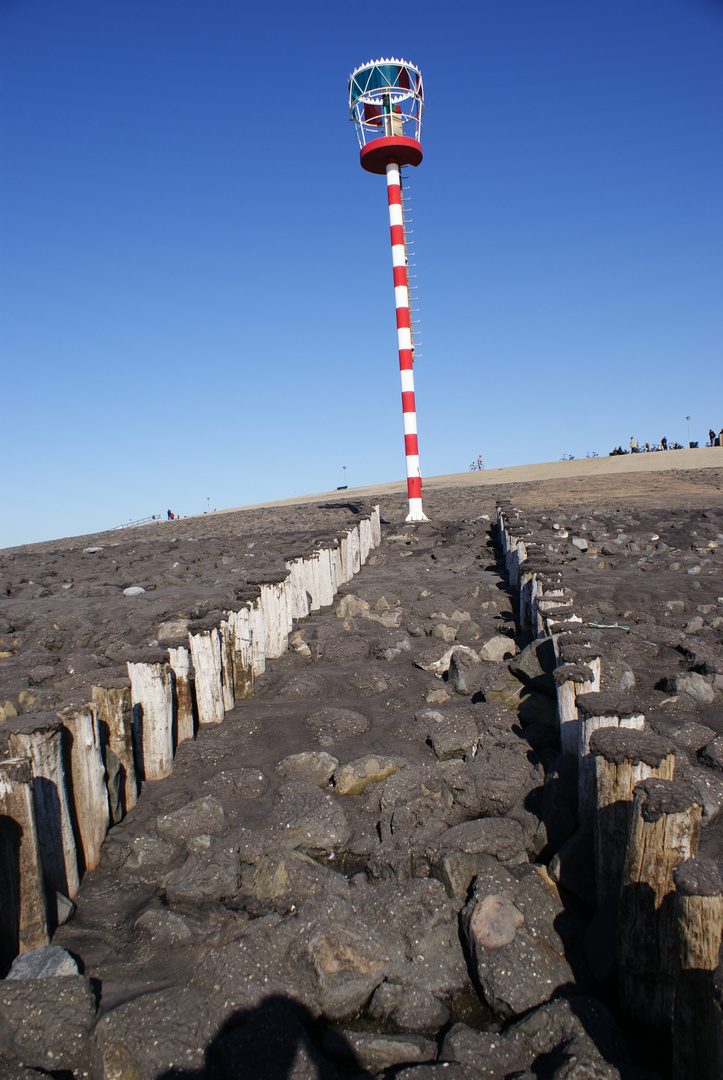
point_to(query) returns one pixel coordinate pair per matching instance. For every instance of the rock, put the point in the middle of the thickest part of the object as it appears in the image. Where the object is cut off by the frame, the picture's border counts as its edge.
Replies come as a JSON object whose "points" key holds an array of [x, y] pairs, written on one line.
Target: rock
{"points": [[282, 880], [464, 674], [444, 632], [352, 778], [312, 766], [133, 590], [580, 543], [241, 783], [349, 959], [203, 815], [210, 874], [676, 606], [696, 687], [487, 1051], [509, 924], [450, 736], [331, 725], [45, 963], [48, 1021], [298, 643], [160, 1031], [502, 777], [351, 605], [712, 753], [408, 1008], [709, 786], [172, 630], [436, 696], [306, 817], [694, 625], [378, 1052], [497, 648], [627, 682], [438, 667], [534, 666], [500, 837], [64, 909]]}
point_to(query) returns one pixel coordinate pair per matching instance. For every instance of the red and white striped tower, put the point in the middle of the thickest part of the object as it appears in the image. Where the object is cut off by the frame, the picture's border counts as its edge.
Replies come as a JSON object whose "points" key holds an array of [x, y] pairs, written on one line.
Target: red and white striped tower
{"points": [[386, 98]]}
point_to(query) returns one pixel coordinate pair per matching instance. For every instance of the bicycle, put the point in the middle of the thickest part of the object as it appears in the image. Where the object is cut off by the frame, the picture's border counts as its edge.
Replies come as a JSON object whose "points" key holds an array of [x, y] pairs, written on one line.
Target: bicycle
{"points": [[477, 465]]}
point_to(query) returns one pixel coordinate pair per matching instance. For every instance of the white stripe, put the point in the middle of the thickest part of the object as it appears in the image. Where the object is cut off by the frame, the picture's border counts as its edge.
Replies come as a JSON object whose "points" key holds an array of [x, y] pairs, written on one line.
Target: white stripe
{"points": [[413, 466], [395, 214], [410, 423], [401, 296], [404, 338], [407, 380], [392, 174], [415, 511], [398, 258]]}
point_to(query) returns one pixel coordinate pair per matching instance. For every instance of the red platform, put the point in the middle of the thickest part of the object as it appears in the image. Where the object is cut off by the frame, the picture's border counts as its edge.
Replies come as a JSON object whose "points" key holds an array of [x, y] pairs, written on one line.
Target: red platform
{"points": [[376, 155]]}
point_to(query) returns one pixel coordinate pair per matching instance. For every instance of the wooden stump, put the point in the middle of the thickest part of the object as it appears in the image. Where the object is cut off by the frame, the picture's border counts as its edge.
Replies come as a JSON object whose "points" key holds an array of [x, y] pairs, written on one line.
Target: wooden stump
{"points": [[23, 914], [365, 539], [115, 725], [353, 553], [39, 737], [276, 620], [622, 758], [376, 527], [338, 567], [598, 711], [180, 662], [226, 634], [243, 673], [698, 1019], [580, 654], [85, 775], [571, 680], [326, 577], [664, 831], [258, 638], [152, 699], [206, 658], [298, 593]]}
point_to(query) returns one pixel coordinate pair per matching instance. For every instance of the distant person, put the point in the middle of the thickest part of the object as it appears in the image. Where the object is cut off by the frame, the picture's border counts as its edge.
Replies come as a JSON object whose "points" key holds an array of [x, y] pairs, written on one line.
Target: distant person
{"points": [[479, 461], [711, 437], [632, 444], [647, 448], [169, 515], [664, 443]]}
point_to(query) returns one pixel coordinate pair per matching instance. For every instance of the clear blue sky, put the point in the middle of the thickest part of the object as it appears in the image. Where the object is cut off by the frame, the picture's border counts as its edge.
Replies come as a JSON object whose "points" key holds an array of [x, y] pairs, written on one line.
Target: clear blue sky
{"points": [[196, 287]]}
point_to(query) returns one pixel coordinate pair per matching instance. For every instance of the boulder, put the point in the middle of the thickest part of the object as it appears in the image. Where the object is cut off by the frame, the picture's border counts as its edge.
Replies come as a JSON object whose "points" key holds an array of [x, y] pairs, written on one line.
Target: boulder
{"points": [[497, 648], [331, 725], [306, 817], [200, 816], [207, 874], [464, 675], [535, 664], [450, 735], [509, 925], [282, 880], [377, 1052], [502, 777], [45, 963], [47, 1022], [408, 1008], [311, 766], [352, 778]]}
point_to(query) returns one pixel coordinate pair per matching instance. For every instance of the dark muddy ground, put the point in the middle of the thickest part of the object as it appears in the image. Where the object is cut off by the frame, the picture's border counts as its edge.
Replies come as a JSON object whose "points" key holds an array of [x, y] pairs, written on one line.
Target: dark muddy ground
{"points": [[249, 918]]}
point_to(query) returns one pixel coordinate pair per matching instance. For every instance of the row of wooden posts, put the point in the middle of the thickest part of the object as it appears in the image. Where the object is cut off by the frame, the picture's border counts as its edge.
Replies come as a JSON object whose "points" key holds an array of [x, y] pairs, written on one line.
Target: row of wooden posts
{"points": [[647, 824], [75, 773]]}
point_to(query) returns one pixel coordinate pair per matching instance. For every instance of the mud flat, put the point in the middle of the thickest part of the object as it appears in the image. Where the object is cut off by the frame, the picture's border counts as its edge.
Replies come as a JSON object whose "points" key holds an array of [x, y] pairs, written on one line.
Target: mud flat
{"points": [[375, 866]]}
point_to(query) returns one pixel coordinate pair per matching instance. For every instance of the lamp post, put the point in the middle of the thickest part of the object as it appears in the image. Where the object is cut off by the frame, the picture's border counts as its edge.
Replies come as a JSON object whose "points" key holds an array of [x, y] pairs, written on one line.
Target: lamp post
{"points": [[688, 419], [386, 102]]}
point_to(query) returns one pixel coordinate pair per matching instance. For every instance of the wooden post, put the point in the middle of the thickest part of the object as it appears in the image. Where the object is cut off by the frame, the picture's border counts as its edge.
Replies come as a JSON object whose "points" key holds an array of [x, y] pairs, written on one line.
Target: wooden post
{"points": [[206, 657], [258, 638], [665, 829], [597, 711], [571, 680], [354, 552], [376, 527], [579, 654], [23, 914], [622, 758], [299, 597], [152, 699], [276, 619], [38, 736], [180, 662], [365, 539], [338, 568], [326, 577], [115, 724], [226, 634], [698, 1018], [85, 775], [243, 675]]}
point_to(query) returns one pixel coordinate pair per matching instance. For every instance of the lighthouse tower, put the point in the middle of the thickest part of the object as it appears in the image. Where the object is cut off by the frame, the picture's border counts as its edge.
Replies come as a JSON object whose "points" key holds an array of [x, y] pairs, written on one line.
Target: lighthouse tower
{"points": [[386, 102]]}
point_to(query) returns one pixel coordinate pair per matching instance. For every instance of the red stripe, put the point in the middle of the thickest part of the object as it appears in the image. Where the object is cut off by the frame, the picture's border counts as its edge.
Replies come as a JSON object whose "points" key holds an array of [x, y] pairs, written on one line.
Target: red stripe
{"points": [[410, 445], [414, 487], [394, 194], [397, 233], [400, 275], [405, 360], [402, 318], [408, 401]]}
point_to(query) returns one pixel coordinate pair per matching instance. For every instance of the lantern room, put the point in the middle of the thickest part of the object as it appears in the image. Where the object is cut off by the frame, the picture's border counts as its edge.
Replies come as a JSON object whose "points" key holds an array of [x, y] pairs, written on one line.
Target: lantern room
{"points": [[386, 102]]}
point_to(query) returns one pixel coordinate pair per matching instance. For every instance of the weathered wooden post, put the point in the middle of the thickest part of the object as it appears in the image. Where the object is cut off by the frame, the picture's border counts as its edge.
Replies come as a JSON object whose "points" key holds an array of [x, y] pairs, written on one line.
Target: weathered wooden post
{"points": [[180, 661], [622, 758], [23, 914], [258, 638], [589, 656], [85, 775], [571, 680], [664, 831], [598, 711], [365, 539], [698, 1017], [299, 596], [376, 521], [243, 675], [39, 737], [226, 635], [115, 724], [152, 700], [205, 648]]}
